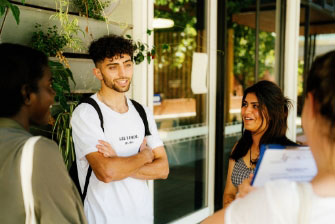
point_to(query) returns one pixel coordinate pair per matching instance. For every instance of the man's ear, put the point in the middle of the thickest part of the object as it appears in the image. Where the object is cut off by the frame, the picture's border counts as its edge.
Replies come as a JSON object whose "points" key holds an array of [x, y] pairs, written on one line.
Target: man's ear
{"points": [[97, 73], [26, 94]]}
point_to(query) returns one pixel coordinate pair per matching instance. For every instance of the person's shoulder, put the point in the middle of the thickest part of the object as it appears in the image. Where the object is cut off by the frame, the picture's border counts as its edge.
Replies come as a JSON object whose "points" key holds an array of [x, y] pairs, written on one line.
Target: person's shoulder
{"points": [[274, 198], [287, 142], [136, 102], [280, 185], [45, 147], [146, 108], [273, 191], [47, 143], [84, 110], [47, 156], [283, 192]]}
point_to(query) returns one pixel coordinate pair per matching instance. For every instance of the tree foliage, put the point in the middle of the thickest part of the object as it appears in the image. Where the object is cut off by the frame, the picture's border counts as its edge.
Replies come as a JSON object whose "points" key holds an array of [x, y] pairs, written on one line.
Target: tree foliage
{"points": [[244, 47], [183, 14], [244, 54]]}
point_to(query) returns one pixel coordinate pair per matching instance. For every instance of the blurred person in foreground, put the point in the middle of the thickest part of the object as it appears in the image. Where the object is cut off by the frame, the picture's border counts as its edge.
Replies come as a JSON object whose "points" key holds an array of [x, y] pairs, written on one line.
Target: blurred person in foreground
{"points": [[26, 96], [286, 201]]}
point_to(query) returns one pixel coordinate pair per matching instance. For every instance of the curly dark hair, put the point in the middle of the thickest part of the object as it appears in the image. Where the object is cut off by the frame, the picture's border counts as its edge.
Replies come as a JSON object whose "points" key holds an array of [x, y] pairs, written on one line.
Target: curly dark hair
{"points": [[110, 46], [21, 69], [273, 107], [321, 83]]}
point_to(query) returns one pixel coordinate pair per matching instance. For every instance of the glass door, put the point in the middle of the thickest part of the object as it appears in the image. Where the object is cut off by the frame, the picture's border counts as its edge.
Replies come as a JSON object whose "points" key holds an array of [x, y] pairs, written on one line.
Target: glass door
{"points": [[181, 107]]}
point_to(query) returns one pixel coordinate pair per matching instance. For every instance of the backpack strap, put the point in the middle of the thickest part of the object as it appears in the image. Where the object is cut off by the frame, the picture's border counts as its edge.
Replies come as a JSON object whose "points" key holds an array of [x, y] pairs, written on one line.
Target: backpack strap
{"points": [[143, 116], [95, 105], [26, 171]]}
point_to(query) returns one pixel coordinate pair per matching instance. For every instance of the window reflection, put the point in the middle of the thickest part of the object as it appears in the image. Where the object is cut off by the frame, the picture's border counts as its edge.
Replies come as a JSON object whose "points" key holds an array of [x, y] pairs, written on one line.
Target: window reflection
{"points": [[316, 37]]}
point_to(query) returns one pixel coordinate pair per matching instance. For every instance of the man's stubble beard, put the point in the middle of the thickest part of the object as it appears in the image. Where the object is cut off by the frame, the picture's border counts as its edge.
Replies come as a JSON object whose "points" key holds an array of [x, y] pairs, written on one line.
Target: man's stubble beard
{"points": [[113, 86]]}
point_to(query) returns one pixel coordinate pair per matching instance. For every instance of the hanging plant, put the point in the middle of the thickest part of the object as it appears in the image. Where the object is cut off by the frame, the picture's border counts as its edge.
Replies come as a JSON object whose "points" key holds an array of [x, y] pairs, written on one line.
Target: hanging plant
{"points": [[142, 51], [51, 43], [62, 134], [5, 4], [69, 25], [92, 8]]}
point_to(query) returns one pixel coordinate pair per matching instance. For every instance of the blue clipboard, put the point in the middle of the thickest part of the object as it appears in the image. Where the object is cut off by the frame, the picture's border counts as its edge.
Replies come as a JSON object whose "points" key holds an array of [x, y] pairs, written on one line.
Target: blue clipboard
{"points": [[261, 154]]}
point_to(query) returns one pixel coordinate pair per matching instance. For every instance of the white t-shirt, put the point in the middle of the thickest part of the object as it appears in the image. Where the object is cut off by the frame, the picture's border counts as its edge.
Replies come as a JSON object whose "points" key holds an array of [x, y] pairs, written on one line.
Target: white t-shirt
{"points": [[279, 202], [127, 200]]}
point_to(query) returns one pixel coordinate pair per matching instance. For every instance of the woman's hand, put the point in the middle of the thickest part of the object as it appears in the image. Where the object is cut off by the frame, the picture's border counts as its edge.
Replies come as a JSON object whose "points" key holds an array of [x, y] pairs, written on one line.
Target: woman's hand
{"points": [[245, 187], [106, 149]]}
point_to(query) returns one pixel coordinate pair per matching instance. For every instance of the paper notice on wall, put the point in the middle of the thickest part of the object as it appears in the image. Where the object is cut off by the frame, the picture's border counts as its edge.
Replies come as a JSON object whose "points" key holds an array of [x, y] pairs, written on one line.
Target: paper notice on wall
{"points": [[199, 73]]}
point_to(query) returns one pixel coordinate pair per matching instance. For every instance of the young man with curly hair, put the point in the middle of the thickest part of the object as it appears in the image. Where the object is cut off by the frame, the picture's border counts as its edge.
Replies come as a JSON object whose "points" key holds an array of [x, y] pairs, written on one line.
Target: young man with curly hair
{"points": [[121, 157]]}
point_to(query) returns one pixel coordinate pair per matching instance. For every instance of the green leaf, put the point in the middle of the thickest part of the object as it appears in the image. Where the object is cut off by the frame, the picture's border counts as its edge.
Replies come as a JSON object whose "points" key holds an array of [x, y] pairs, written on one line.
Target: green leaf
{"points": [[149, 32], [2, 9], [67, 149], [148, 58], [139, 58], [165, 46], [153, 51], [70, 75], [16, 12]]}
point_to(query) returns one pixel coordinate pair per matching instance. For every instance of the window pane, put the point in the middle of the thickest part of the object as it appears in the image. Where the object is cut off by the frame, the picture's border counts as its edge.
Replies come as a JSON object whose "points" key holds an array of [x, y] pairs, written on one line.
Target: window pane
{"points": [[180, 107], [318, 22]]}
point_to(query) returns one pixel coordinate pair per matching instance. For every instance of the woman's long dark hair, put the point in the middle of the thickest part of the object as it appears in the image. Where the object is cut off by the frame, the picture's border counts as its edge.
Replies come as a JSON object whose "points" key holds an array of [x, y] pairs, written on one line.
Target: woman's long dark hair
{"points": [[273, 107]]}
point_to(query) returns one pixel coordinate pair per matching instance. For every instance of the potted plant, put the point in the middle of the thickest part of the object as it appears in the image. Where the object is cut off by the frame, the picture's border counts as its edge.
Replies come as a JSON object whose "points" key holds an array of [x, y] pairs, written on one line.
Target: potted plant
{"points": [[51, 43]]}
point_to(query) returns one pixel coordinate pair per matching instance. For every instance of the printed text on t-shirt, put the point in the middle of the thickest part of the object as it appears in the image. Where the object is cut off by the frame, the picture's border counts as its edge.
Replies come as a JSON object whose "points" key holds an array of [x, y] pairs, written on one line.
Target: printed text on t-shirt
{"points": [[128, 139]]}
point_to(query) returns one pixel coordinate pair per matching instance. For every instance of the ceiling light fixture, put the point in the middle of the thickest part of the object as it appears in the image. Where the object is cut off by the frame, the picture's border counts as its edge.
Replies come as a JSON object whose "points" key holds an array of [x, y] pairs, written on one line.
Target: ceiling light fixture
{"points": [[160, 23]]}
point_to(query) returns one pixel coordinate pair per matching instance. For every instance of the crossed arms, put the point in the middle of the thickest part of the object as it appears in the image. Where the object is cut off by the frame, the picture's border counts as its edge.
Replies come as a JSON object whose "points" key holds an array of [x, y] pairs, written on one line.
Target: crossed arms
{"points": [[148, 164]]}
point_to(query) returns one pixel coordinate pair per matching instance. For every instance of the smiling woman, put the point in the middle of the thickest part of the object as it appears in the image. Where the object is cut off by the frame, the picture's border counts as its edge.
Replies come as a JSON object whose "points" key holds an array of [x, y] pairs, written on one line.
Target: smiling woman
{"points": [[264, 113], [251, 116]]}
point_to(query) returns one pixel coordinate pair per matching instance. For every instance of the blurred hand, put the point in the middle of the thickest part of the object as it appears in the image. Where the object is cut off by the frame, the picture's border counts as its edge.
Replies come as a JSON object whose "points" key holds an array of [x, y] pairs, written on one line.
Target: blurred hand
{"points": [[146, 151], [245, 187], [143, 145], [106, 149]]}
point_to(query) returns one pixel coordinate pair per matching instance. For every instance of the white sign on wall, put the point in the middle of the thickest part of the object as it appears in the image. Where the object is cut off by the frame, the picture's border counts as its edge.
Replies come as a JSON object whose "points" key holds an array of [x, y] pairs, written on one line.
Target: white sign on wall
{"points": [[199, 73]]}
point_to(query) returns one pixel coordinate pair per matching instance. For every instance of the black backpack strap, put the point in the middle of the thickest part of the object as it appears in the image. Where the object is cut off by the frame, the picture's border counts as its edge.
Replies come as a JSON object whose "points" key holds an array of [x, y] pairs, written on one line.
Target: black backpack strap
{"points": [[87, 181], [143, 115], [94, 104]]}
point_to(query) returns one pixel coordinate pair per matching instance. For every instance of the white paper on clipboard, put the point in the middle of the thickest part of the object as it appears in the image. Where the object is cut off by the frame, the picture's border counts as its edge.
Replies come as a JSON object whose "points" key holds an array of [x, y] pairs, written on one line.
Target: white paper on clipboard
{"points": [[294, 163]]}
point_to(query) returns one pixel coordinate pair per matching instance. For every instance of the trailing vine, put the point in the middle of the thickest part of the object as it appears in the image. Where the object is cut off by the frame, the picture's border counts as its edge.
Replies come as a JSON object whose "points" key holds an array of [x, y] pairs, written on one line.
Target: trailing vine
{"points": [[142, 50], [69, 24], [51, 43], [91, 8]]}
